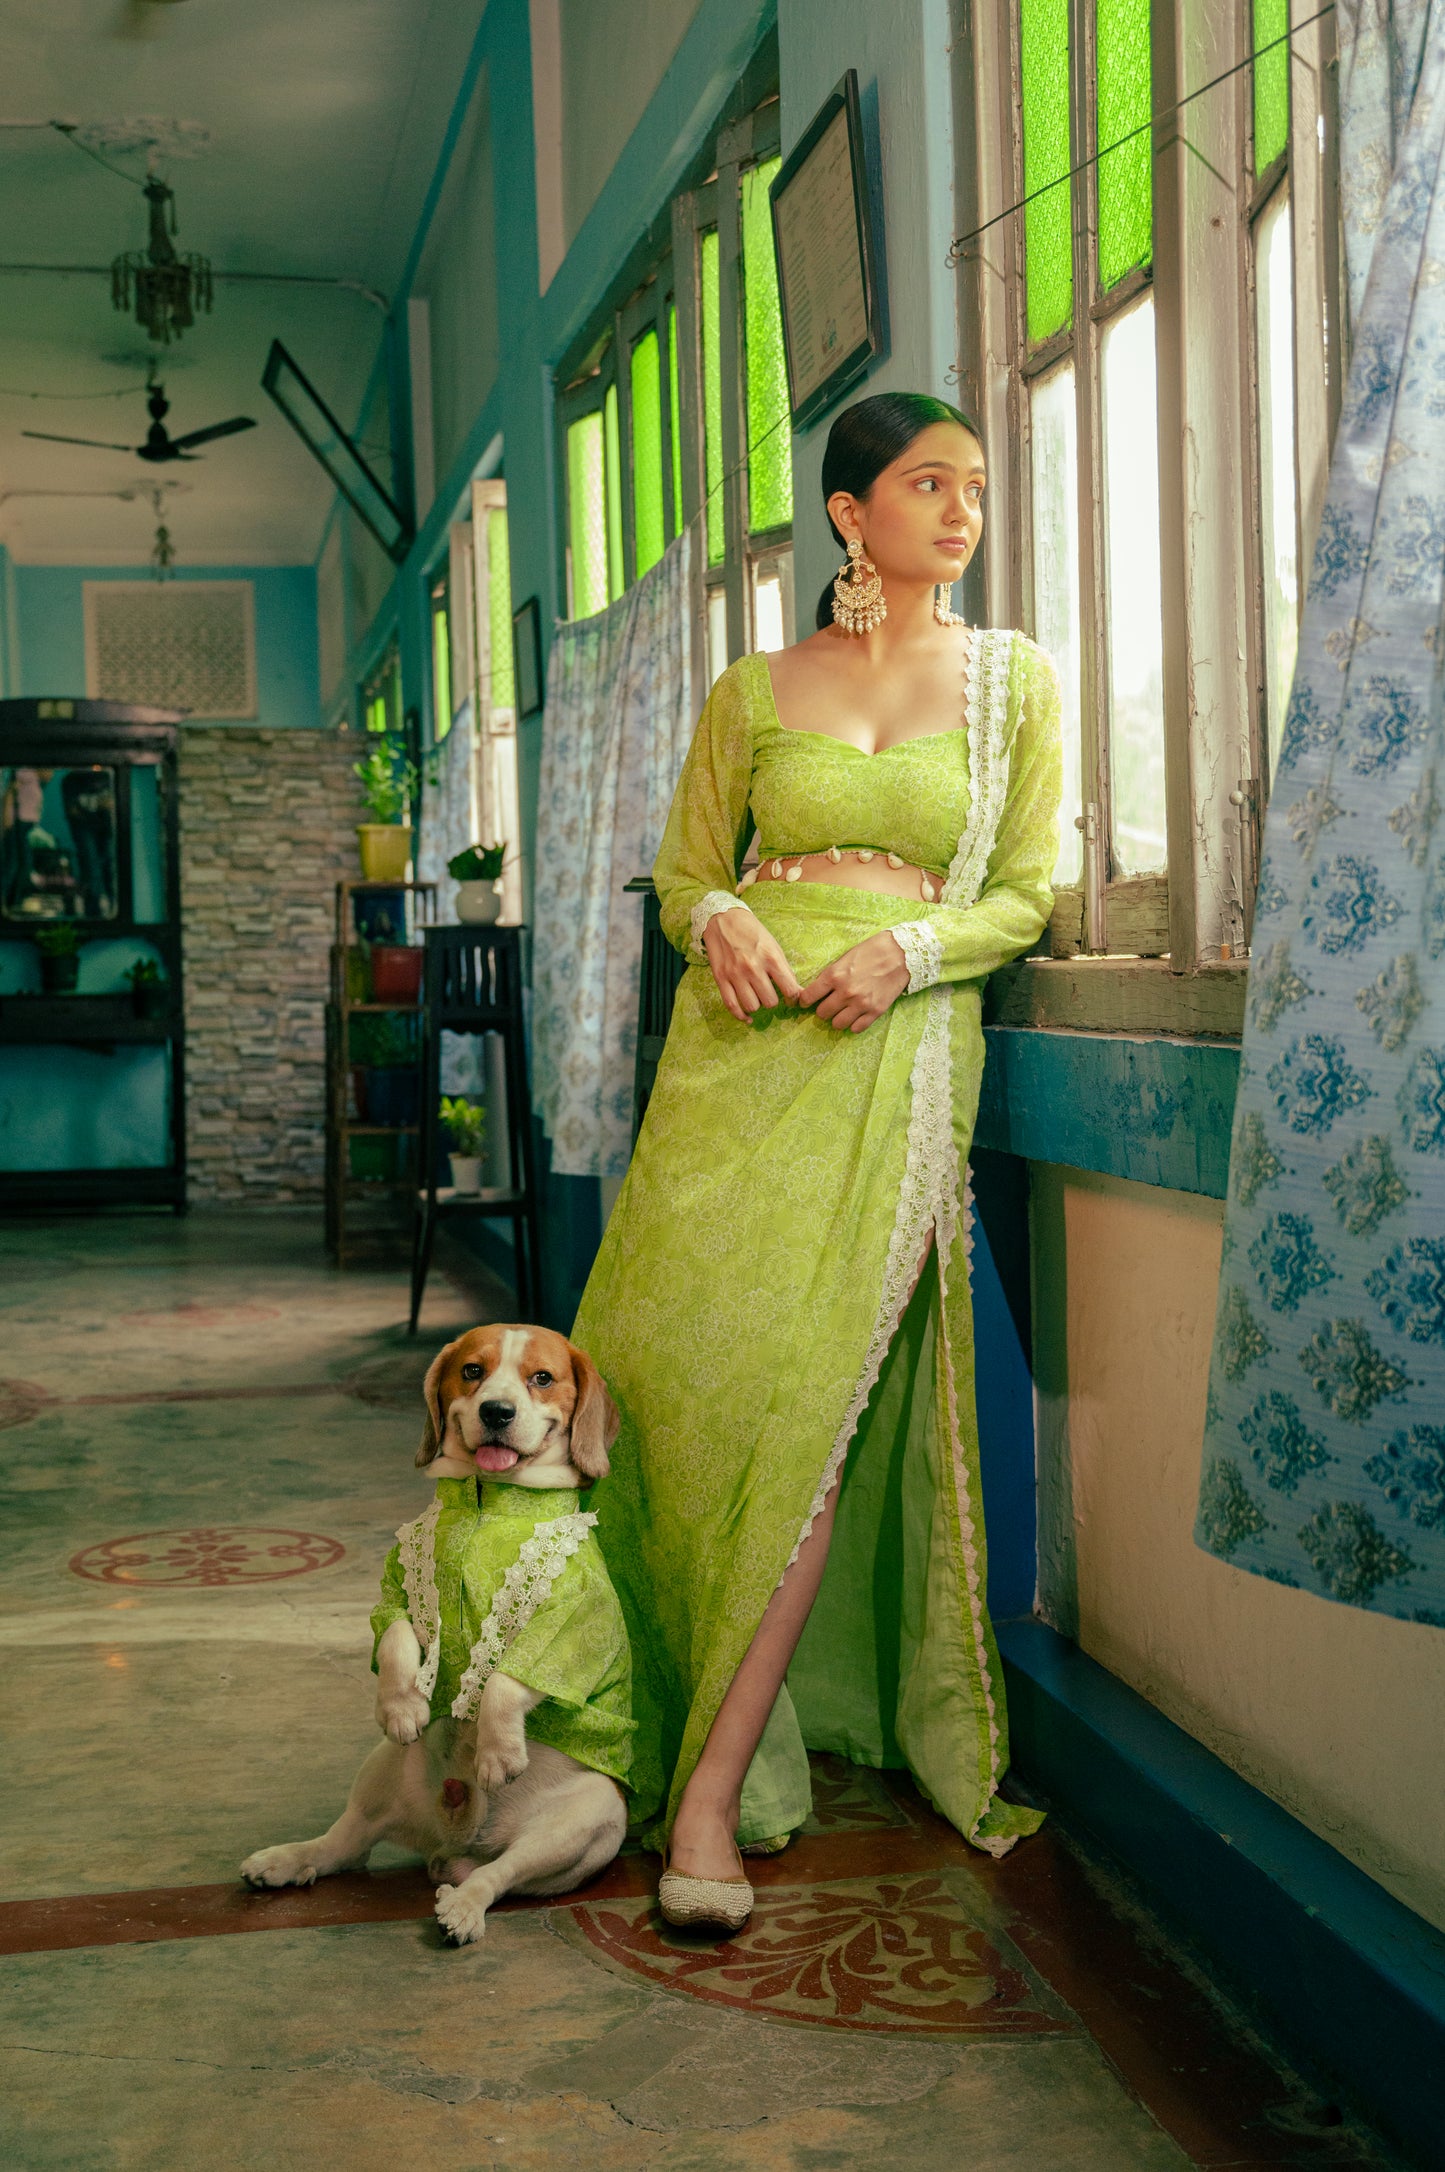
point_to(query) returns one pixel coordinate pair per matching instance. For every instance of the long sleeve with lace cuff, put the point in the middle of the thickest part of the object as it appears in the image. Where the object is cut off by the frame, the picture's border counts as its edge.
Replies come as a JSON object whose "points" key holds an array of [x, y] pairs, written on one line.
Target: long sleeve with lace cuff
{"points": [[696, 870], [968, 942]]}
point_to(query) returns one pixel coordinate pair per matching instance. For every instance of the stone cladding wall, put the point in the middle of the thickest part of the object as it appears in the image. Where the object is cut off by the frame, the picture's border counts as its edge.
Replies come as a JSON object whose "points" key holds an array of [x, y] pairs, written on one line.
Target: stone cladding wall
{"points": [[268, 826]]}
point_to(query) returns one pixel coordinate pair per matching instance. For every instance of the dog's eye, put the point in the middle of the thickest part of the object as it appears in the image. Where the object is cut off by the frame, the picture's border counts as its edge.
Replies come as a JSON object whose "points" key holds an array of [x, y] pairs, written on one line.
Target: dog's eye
{"points": [[471, 1372], [542, 1380]]}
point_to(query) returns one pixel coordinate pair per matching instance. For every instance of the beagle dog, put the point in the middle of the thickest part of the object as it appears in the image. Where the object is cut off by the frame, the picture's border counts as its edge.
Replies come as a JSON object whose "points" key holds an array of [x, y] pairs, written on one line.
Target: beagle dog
{"points": [[491, 1811]]}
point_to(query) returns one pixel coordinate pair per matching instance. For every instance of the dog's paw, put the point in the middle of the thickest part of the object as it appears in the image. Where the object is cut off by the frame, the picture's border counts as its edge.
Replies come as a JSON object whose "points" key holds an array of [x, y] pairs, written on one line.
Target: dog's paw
{"points": [[403, 1715], [461, 1913], [500, 1758], [293, 1864]]}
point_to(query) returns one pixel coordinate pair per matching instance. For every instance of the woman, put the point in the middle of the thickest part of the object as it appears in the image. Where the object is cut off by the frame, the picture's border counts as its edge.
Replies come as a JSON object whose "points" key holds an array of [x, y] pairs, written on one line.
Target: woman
{"points": [[780, 1305]]}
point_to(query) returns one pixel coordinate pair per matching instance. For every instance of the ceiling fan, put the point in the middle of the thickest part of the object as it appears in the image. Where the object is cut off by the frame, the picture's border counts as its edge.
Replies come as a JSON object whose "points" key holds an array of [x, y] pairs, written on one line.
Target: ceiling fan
{"points": [[159, 446]]}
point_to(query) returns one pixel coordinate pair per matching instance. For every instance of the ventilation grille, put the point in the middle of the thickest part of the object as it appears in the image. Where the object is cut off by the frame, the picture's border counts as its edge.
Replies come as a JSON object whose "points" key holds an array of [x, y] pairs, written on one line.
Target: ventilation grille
{"points": [[175, 645]]}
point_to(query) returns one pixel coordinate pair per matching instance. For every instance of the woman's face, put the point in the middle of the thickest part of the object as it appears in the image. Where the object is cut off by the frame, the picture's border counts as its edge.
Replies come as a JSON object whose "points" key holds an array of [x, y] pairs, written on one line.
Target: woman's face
{"points": [[922, 519]]}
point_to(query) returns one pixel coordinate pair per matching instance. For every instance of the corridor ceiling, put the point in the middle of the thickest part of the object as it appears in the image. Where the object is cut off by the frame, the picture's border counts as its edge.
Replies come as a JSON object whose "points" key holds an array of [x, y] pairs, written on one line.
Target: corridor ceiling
{"points": [[324, 121]]}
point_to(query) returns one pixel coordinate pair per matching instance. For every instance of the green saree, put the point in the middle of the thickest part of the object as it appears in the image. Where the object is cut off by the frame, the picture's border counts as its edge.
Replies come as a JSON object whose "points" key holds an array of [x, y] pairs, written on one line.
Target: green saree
{"points": [[757, 1306]]}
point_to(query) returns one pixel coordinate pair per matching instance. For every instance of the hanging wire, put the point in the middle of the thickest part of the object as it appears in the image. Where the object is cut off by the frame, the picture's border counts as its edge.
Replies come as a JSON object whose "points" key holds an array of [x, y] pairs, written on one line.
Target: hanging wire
{"points": [[1145, 128], [67, 129]]}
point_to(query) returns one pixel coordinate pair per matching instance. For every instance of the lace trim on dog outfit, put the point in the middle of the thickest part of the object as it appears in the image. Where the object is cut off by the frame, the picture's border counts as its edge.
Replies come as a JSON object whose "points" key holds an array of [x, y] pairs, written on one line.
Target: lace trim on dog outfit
{"points": [[708, 908], [417, 1545], [922, 948], [526, 1586]]}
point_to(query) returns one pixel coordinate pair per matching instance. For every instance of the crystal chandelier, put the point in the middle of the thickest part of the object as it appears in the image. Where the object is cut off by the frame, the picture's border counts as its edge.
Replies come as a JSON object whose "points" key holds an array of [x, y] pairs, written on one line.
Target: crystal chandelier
{"points": [[169, 290]]}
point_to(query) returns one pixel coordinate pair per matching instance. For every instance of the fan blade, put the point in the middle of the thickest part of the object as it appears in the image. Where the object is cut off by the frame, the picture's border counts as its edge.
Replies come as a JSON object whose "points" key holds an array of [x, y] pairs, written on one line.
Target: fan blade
{"points": [[51, 439], [217, 429]]}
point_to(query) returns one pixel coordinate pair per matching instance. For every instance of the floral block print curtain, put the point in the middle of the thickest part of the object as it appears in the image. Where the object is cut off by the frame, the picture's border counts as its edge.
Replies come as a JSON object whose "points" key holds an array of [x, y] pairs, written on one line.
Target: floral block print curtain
{"points": [[447, 803], [618, 721], [1324, 1463]]}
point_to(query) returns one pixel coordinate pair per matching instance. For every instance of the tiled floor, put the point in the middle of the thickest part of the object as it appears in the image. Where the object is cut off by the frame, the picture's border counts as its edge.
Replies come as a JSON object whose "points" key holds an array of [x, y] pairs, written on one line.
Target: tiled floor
{"points": [[206, 1440]]}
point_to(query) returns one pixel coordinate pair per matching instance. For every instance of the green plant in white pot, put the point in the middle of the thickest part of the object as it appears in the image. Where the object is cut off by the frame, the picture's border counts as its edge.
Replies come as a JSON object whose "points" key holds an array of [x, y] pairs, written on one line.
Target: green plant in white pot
{"points": [[465, 1124], [389, 784], [477, 872]]}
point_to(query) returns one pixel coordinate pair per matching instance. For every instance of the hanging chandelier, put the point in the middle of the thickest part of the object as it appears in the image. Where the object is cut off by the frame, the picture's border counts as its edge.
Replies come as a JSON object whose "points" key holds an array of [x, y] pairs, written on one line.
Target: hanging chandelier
{"points": [[169, 290]]}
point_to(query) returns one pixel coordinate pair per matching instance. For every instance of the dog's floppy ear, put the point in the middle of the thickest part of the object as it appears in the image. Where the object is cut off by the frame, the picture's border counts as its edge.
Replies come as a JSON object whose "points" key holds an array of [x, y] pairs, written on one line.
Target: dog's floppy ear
{"points": [[431, 1439], [595, 1420]]}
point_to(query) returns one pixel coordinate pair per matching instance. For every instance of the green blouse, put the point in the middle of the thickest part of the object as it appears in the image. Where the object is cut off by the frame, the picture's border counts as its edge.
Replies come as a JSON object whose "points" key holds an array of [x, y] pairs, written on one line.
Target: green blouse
{"points": [[512, 1578], [976, 804]]}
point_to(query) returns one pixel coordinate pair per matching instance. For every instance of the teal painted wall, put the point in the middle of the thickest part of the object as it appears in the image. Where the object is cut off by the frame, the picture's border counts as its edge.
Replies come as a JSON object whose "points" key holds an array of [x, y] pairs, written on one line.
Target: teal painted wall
{"points": [[48, 633]]}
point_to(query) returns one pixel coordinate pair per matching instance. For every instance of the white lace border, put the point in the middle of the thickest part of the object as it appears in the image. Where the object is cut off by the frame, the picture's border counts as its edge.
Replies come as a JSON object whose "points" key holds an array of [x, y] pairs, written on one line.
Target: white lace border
{"points": [[526, 1586], [929, 1196]]}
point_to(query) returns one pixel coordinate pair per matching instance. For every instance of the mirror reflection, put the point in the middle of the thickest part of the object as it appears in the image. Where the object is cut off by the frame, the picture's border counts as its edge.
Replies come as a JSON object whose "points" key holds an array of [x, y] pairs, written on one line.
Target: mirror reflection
{"points": [[57, 843]]}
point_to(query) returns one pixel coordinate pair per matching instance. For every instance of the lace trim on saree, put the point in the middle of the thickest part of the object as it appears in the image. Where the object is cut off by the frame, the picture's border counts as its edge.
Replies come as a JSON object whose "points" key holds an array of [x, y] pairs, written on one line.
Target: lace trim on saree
{"points": [[526, 1586], [921, 1207], [922, 948], [986, 676], [708, 908], [417, 1545], [931, 1194]]}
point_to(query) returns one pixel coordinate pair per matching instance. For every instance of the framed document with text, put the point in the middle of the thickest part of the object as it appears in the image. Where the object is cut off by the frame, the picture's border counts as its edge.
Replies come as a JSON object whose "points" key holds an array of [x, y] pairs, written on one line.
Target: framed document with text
{"points": [[826, 264]]}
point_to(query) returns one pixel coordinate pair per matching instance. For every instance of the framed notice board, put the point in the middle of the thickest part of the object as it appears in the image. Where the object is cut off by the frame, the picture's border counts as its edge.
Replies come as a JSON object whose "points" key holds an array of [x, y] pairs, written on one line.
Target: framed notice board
{"points": [[823, 230]]}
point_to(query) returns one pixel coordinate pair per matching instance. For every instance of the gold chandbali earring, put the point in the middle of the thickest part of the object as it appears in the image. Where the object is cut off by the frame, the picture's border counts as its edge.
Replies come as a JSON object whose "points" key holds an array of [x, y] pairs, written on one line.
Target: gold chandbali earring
{"points": [[943, 609], [858, 600]]}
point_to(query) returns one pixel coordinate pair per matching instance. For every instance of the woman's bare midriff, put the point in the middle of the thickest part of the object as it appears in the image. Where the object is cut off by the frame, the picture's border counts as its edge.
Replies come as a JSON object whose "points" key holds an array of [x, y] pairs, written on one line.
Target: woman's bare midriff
{"points": [[854, 868]]}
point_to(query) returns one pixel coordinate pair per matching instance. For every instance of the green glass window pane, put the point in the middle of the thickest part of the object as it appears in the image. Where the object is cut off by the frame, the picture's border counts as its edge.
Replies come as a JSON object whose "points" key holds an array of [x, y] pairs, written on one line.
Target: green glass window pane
{"points": [[770, 441], [1048, 219], [647, 536], [616, 576], [587, 515], [499, 607], [441, 665], [1122, 102], [1271, 83], [712, 397], [674, 410]]}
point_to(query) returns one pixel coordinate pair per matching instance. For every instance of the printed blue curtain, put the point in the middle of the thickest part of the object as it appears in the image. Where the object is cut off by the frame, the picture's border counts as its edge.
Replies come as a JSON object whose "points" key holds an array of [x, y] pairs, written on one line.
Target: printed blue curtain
{"points": [[615, 734], [1324, 1458]]}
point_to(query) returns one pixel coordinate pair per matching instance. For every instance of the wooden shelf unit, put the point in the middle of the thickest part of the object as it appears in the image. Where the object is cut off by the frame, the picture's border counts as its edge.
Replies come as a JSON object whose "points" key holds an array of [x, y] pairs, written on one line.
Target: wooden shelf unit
{"points": [[346, 1230]]}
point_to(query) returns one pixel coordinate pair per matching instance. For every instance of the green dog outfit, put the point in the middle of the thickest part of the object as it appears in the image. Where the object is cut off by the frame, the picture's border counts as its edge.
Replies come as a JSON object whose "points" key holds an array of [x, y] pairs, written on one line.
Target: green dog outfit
{"points": [[503, 1576]]}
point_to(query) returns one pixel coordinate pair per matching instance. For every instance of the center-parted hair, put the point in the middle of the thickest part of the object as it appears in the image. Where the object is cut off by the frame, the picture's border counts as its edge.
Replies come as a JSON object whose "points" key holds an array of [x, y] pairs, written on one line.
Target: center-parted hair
{"points": [[868, 437]]}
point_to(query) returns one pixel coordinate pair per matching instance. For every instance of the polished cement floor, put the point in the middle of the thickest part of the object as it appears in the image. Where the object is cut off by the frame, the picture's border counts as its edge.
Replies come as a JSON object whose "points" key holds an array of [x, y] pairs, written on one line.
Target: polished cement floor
{"points": [[206, 1440]]}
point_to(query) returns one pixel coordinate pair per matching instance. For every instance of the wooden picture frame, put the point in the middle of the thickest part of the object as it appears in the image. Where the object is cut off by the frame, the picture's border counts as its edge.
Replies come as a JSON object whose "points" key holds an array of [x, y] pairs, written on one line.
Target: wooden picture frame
{"points": [[527, 657], [827, 256]]}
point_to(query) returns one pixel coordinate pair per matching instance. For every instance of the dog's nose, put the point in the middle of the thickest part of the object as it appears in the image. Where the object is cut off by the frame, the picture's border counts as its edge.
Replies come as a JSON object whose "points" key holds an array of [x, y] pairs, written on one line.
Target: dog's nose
{"points": [[497, 1415]]}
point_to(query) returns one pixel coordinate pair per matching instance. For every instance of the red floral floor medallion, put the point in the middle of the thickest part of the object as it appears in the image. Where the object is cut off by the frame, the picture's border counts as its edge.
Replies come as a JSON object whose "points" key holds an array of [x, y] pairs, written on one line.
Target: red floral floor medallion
{"points": [[210, 1556], [891, 1954]]}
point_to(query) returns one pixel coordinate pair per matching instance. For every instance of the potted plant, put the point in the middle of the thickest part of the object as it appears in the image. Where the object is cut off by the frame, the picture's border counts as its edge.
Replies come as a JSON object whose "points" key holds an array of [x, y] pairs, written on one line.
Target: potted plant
{"points": [[465, 1124], [388, 786], [59, 947], [477, 870], [147, 988]]}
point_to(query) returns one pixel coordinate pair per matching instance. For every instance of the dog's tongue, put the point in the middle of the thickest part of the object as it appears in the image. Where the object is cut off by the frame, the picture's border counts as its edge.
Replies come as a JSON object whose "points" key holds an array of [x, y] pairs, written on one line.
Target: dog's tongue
{"points": [[496, 1459]]}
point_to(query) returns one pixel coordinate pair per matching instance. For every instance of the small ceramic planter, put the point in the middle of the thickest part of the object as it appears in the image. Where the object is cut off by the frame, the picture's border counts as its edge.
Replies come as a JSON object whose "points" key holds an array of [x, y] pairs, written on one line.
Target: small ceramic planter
{"points": [[396, 973], [466, 1172], [58, 975], [385, 850], [478, 903]]}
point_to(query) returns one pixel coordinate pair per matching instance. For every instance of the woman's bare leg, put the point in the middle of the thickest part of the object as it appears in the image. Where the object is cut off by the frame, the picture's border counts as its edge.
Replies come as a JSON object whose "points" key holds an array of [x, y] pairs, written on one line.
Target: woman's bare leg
{"points": [[703, 1842], [704, 1832]]}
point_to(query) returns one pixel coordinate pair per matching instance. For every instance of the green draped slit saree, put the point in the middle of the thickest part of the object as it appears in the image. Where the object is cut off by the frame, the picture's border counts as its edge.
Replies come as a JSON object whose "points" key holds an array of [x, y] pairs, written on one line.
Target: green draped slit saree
{"points": [[757, 1306]]}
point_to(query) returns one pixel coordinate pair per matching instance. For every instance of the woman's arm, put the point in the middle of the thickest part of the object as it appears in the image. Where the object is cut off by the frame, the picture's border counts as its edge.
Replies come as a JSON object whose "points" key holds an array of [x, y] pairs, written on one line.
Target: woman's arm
{"points": [[951, 942], [696, 869]]}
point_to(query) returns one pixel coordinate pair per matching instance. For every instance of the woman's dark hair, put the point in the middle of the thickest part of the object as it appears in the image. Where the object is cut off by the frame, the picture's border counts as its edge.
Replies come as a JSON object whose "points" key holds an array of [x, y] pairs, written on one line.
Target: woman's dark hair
{"points": [[868, 437]]}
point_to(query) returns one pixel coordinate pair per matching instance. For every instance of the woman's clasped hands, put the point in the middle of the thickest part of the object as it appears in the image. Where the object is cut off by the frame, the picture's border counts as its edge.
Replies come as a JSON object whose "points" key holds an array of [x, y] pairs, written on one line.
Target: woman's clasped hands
{"points": [[753, 974]]}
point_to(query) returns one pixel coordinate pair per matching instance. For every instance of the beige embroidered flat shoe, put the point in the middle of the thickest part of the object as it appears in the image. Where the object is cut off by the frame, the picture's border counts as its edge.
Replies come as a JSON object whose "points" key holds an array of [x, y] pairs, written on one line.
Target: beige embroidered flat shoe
{"points": [[690, 1903]]}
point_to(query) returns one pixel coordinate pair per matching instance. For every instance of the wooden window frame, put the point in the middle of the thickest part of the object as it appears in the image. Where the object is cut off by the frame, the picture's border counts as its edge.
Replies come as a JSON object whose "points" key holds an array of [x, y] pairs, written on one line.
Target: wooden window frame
{"points": [[1206, 205], [665, 272]]}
